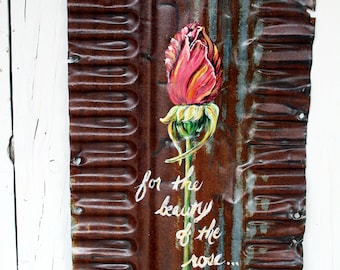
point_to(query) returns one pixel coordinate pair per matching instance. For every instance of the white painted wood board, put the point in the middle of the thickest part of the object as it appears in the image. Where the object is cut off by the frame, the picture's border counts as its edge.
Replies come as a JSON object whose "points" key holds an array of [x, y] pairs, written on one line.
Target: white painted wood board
{"points": [[40, 124], [322, 237], [7, 211]]}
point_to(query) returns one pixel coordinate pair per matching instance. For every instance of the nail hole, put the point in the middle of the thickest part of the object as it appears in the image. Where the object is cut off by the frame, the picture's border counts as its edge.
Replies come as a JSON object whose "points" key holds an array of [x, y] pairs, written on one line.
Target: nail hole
{"points": [[297, 244], [77, 210], [76, 161], [297, 215], [294, 242], [301, 116], [311, 13], [73, 59]]}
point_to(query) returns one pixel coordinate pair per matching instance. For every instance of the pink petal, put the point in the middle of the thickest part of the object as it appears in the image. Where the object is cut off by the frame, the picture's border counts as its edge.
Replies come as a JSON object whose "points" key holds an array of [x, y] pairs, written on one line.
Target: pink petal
{"points": [[203, 80], [193, 66], [187, 64]]}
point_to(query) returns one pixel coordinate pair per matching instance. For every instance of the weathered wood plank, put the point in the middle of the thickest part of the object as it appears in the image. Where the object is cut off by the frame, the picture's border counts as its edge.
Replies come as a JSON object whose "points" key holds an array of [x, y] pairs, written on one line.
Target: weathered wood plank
{"points": [[40, 124], [7, 211]]}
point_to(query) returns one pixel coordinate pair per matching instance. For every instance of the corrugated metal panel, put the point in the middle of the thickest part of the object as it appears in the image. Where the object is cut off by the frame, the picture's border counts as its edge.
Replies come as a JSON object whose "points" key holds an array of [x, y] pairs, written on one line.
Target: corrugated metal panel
{"points": [[253, 169], [274, 130], [109, 103]]}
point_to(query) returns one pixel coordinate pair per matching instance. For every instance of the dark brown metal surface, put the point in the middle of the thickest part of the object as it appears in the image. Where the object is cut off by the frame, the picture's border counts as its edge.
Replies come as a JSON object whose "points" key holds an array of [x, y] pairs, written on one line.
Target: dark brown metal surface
{"points": [[253, 169]]}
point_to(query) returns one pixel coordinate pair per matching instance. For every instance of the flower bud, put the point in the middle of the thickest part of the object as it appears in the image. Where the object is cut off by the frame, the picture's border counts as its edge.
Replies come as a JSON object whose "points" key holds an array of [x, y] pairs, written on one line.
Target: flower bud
{"points": [[193, 67]]}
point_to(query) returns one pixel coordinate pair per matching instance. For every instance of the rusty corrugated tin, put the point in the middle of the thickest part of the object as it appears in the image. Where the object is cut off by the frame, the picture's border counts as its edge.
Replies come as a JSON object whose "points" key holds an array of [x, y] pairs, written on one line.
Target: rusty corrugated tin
{"points": [[254, 167]]}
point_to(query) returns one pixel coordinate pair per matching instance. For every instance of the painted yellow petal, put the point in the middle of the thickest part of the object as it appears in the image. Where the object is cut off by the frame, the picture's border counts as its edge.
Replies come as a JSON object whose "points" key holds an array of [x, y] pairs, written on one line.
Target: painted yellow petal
{"points": [[194, 113], [172, 134], [189, 113], [193, 150], [211, 111], [171, 116], [180, 112]]}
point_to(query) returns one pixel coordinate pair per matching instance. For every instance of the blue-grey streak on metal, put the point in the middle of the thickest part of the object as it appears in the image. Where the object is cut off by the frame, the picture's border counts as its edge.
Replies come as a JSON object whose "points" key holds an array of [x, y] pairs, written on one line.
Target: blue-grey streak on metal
{"points": [[226, 34], [207, 253], [225, 38], [242, 65], [197, 9], [225, 42], [225, 20], [213, 9], [220, 247], [242, 59]]}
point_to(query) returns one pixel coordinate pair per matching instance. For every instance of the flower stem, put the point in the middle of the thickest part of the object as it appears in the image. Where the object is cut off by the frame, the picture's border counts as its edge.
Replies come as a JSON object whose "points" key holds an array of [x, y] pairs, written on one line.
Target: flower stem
{"points": [[187, 252]]}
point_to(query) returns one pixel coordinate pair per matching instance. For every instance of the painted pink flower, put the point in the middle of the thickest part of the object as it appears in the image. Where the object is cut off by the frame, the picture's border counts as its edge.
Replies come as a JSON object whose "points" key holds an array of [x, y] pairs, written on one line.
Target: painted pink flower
{"points": [[193, 67]]}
